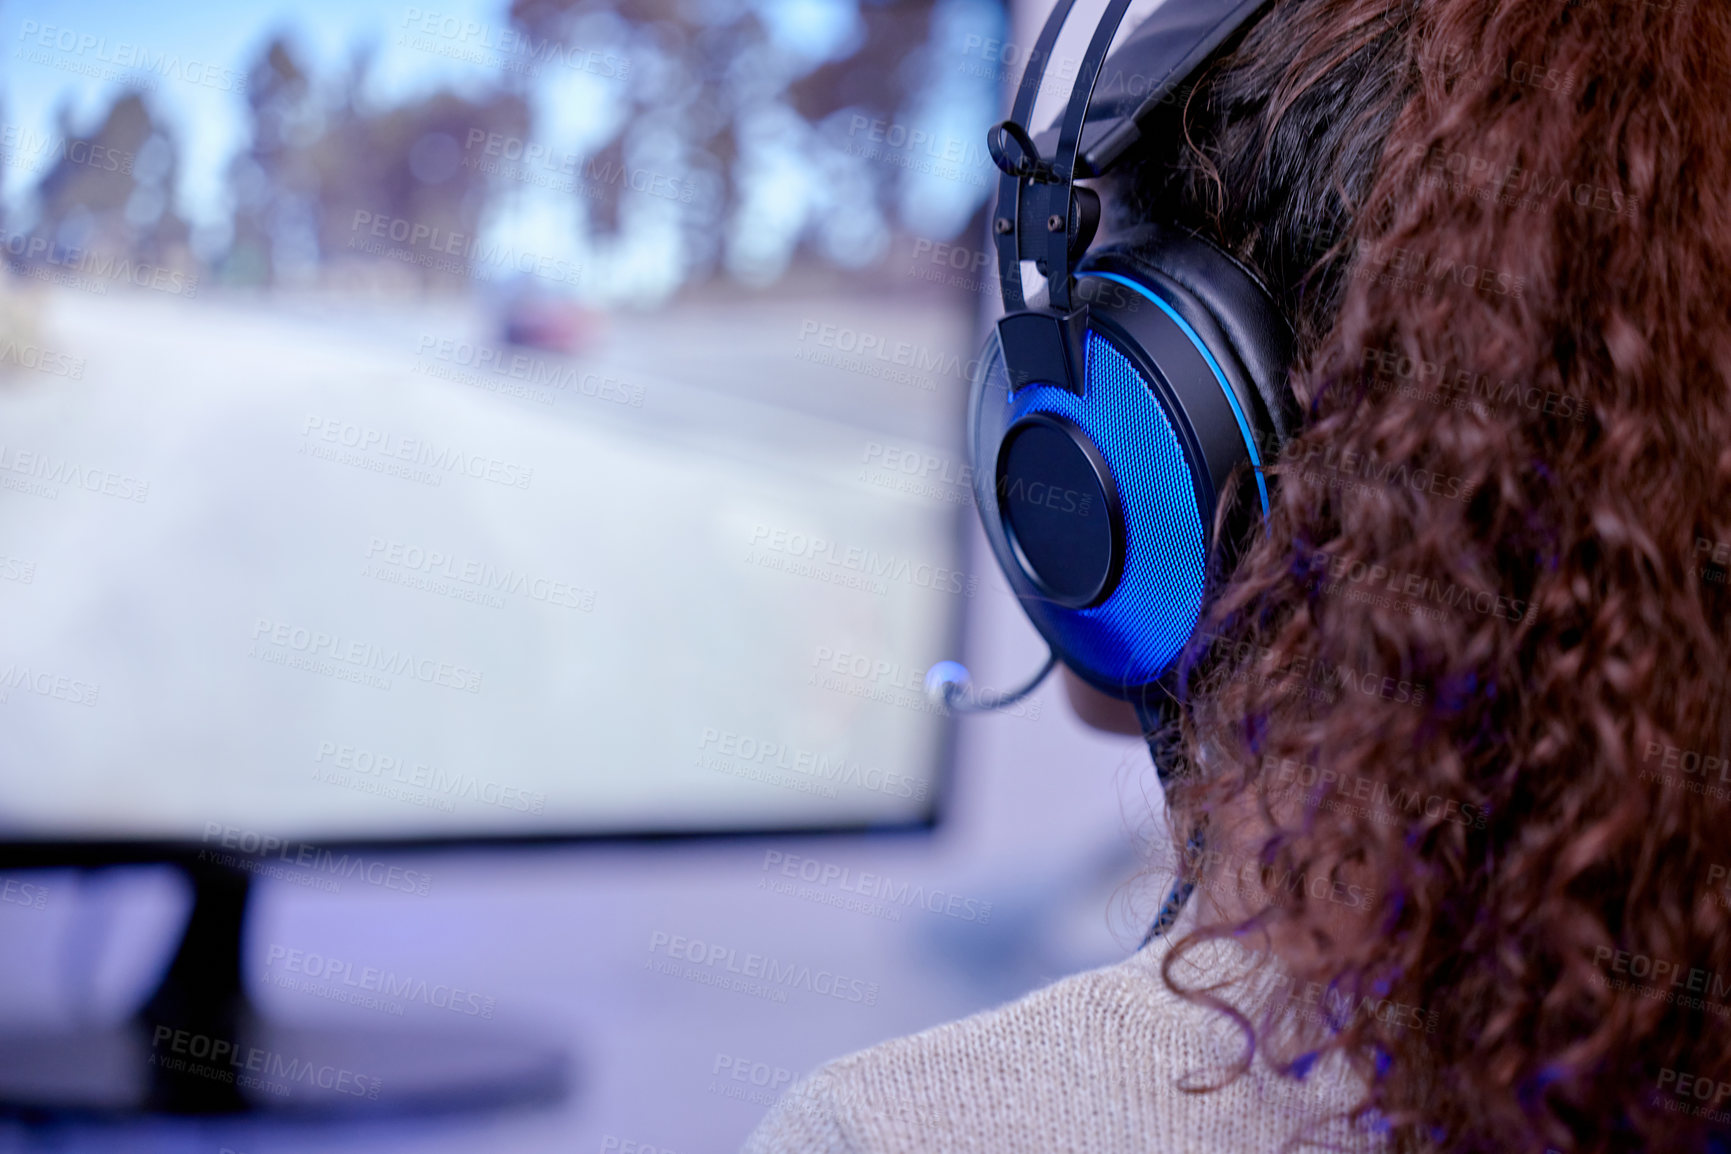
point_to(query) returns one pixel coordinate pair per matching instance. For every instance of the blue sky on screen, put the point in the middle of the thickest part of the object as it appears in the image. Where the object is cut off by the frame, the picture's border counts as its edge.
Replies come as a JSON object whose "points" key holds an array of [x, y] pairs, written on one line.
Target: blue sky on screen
{"points": [[211, 123], [213, 44]]}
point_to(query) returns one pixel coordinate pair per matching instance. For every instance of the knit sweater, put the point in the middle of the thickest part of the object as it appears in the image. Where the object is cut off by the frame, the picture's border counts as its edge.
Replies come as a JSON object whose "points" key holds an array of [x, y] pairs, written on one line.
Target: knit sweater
{"points": [[1088, 1065]]}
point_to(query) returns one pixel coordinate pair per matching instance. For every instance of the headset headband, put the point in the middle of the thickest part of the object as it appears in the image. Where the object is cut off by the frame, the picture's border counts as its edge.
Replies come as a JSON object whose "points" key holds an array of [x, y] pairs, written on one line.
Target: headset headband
{"points": [[1036, 193]]}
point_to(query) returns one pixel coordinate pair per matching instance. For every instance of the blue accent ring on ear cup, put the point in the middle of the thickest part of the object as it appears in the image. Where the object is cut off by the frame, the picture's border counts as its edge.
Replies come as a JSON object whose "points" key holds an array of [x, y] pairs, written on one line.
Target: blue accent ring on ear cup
{"points": [[1214, 367]]}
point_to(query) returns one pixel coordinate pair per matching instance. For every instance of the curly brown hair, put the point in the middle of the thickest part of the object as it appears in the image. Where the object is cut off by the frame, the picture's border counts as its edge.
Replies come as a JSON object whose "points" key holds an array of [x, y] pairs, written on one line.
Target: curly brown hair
{"points": [[1474, 671]]}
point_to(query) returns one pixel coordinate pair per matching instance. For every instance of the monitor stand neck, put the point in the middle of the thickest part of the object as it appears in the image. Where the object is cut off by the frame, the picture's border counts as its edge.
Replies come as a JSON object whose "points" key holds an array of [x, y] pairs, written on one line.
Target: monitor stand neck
{"points": [[203, 992]]}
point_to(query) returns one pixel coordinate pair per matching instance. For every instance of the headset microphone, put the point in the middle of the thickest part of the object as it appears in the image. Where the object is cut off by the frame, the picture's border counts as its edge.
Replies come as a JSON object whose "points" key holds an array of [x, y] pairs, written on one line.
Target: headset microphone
{"points": [[949, 684]]}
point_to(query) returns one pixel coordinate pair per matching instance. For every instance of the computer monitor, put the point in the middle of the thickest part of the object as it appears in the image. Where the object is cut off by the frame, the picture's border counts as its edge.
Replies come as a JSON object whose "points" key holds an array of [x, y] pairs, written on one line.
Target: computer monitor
{"points": [[429, 428]]}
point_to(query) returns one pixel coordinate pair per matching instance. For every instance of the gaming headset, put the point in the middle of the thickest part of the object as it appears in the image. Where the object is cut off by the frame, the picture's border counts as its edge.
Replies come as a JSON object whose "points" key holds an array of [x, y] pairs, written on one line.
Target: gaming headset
{"points": [[1108, 425]]}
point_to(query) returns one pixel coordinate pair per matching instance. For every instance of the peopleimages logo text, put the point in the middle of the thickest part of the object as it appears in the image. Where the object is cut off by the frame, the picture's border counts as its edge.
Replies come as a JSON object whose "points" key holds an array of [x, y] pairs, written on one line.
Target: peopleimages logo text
{"points": [[365, 655], [254, 1060], [869, 562], [958, 149], [415, 451], [534, 371], [371, 979], [1663, 972], [1409, 803], [1702, 1089], [104, 267], [64, 471], [29, 150], [125, 55], [1346, 571], [420, 775], [465, 252], [256, 846], [877, 887], [764, 968], [744, 748], [45, 683], [1690, 761], [481, 574], [474, 39], [896, 352]]}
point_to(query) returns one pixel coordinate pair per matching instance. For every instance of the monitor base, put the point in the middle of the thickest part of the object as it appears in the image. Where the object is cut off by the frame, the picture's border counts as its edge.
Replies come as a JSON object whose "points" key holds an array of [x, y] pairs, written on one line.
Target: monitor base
{"points": [[198, 1047], [273, 1069]]}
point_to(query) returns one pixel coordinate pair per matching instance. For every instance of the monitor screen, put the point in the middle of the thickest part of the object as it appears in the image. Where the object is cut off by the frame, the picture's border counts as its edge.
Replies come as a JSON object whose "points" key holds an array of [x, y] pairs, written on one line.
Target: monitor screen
{"points": [[483, 423]]}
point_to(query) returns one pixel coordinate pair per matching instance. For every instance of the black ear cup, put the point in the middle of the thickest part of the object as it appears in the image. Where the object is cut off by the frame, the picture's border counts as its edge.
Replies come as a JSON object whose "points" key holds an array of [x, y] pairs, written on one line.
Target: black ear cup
{"points": [[1227, 305], [1099, 491]]}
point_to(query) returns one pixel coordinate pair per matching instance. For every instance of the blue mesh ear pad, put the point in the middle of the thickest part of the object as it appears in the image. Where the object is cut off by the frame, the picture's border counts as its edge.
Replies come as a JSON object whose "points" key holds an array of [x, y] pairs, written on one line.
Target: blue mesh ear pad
{"points": [[1099, 504]]}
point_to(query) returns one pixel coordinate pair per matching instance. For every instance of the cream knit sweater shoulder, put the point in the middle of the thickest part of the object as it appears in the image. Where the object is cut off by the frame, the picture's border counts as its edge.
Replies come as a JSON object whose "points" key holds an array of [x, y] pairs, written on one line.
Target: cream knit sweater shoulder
{"points": [[1088, 1065]]}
